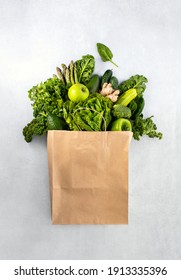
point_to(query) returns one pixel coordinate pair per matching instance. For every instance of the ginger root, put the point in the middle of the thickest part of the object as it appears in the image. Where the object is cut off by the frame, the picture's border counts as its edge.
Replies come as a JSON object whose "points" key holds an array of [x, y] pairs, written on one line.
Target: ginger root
{"points": [[109, 92]]}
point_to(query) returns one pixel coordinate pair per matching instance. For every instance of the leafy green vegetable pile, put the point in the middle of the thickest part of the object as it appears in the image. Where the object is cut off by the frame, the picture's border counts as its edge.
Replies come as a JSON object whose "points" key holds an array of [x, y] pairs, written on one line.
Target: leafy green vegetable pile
{"points": [[78, 99]]}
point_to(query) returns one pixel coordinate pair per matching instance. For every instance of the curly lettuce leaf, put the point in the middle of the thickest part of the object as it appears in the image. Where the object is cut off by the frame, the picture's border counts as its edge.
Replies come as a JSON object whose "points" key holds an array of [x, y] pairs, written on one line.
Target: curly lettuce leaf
{"points": [[85, 68], [47, 97], [93, 114]]}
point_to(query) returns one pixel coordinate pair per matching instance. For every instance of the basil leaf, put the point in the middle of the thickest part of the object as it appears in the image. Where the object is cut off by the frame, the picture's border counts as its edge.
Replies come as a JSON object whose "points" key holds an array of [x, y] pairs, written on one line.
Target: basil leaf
{"points": [[105, 53]]}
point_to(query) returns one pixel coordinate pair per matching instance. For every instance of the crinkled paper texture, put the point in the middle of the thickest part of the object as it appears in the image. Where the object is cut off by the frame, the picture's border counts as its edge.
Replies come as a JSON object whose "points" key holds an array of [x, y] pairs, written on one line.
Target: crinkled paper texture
{"points": [[88, 176]]}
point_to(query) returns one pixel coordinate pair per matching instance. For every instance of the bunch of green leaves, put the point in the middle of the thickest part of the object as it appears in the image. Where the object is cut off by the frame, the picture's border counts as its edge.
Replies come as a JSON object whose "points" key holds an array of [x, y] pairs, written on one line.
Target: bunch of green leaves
{"points": [[141, 126], [47, 97], [93, 114], [136, 81]]}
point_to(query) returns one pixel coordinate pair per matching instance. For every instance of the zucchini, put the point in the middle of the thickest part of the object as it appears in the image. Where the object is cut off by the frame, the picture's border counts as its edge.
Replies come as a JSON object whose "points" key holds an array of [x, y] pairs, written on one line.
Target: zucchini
{"points": [[94, 84], [114, 82], [127, 97], [106, 77]]}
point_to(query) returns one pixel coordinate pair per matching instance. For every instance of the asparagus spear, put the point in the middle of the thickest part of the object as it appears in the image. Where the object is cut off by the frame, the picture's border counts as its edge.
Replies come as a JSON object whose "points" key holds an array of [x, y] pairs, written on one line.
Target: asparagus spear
{"points": [[71, 67], [67, 77], [64, 67], [75, 73], [60, 75]]}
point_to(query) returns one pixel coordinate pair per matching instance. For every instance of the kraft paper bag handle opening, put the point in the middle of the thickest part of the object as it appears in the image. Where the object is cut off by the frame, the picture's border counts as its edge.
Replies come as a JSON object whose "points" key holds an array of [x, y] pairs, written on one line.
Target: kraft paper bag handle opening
{"points": [[89, 176]]}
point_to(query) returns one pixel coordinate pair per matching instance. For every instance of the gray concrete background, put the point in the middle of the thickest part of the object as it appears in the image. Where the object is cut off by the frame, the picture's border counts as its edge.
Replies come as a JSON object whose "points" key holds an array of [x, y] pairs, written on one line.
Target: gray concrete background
{"points": [[144, 36]]}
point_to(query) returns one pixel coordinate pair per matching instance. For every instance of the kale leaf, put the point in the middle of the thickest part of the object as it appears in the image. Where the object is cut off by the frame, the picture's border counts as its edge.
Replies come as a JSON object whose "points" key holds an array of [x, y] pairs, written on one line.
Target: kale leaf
{"points": [[137, 82], [146, 126], [37, 126]]}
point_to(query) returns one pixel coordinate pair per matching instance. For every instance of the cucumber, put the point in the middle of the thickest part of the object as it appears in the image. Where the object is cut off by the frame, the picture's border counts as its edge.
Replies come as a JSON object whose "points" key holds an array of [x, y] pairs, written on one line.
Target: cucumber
{"points": [[140, 106], [106, 77], [94, 84], [114, 82]]}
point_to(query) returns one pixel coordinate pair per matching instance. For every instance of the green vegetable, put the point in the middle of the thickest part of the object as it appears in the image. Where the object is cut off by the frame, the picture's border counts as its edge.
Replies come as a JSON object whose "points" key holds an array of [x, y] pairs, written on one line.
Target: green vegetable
{"points": [[67, 77], [145, 127], [60, 75], [137, 82], [37, 126], [75, 73], [47, 97], [71, 67], [120, 111], [132, 106], [85, 68], [64, 67], [121, 125], [55, 123], [140, 105], [106, 77], [52, 109], [93, 114], [114, 82], [127, 97], [105, 53], [94, 84]]}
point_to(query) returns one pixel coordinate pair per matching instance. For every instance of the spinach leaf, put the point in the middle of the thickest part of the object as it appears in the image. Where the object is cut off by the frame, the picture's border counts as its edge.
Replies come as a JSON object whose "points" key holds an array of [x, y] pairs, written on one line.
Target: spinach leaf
{"points": [[85, 68], [105, 53]]}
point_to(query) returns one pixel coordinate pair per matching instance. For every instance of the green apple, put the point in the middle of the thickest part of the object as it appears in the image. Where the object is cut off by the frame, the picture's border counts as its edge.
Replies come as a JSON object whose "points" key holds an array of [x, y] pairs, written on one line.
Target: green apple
{"points": [[121, 124], [78, 92]]}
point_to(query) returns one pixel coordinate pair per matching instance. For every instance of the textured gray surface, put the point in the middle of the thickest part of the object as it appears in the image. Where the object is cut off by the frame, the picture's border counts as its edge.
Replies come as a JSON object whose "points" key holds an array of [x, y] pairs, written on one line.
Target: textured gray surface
{"points": [[145, 38]]}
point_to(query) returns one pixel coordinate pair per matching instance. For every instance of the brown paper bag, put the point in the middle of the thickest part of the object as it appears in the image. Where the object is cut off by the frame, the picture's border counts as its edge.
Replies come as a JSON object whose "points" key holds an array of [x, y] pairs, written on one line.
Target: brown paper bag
{"points": [[88, 176]]}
